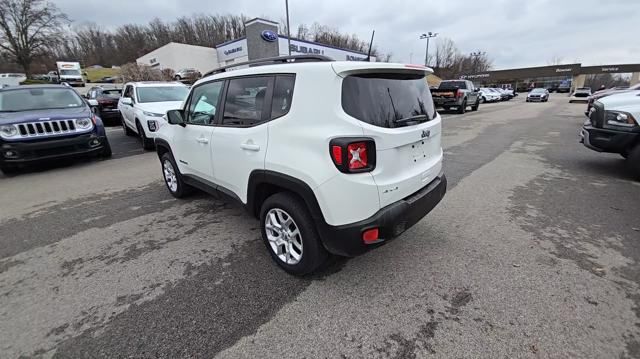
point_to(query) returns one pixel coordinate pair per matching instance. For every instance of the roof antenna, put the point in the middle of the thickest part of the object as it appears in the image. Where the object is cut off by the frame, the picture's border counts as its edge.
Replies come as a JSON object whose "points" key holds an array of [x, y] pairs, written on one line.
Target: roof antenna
{"points": [[370, 46]]}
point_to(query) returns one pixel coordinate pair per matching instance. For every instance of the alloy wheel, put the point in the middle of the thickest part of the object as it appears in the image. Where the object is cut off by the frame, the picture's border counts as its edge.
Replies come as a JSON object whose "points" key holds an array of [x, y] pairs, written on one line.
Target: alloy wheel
{"points": [[284, 236]]}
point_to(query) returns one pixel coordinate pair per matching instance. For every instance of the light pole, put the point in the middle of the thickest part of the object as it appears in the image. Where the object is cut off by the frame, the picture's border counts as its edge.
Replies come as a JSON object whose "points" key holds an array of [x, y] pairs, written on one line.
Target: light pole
{"points": [[427, 36], [475, 56], [286, 3]]}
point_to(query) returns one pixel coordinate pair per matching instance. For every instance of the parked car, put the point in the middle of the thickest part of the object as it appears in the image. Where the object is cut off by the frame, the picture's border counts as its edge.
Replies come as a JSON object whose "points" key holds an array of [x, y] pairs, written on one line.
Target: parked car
{"points": [[341, 158], [504, 96], [564, 87], [580, 95], [104, 102], [12, 79], [143, 106], [187, 74], [457, 93], [538, 95], [43, 122], [613, 127], [488, 95], [613, 91]]}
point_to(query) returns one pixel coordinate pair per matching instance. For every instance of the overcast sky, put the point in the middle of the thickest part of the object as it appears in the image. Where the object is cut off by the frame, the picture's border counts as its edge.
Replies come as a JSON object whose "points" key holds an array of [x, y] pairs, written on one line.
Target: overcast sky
{"points": [[513, 33]]}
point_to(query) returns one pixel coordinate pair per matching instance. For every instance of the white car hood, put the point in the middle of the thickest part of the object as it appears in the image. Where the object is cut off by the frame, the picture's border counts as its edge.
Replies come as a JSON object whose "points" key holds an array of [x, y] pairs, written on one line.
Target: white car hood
{"points": [[629, 102], [159, 107]]}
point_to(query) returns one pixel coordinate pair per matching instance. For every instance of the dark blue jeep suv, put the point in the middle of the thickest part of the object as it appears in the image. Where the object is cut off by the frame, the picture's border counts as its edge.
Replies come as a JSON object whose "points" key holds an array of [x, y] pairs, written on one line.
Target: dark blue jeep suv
{"points": [[43, 122]]}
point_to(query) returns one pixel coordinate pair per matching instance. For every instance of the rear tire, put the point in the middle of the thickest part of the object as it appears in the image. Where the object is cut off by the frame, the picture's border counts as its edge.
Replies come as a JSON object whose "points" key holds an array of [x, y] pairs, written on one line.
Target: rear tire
{"points": [[173, 178], [290, 234], [462, 109], [147, 143]]}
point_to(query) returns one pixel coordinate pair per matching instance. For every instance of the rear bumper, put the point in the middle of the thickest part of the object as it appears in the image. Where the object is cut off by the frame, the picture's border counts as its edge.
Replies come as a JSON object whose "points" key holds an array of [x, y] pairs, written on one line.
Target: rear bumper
{"points": [[108, 113], [444, 101], [46, 149], [391, 221], [605, 140]]}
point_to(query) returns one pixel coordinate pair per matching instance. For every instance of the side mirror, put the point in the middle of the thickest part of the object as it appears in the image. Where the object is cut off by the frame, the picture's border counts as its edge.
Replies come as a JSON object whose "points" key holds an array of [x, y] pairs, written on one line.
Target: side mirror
{"points": [[174, 117], [126, 101]]}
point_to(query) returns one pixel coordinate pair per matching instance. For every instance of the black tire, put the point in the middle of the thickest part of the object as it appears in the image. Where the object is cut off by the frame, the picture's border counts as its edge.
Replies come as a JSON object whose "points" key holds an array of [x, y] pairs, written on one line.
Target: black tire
{"points": [[483, 100], [126, 129], [181, 189], [314, 255], [476, 106], [633, 161], [147, 143], [177, 78], [462, 109], [106, 150], [446, 108], [8, 169]]}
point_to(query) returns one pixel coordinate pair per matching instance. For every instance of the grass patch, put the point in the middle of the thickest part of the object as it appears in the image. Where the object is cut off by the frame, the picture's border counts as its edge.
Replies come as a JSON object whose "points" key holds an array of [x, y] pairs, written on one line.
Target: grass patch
{"points": [[95, 75]]}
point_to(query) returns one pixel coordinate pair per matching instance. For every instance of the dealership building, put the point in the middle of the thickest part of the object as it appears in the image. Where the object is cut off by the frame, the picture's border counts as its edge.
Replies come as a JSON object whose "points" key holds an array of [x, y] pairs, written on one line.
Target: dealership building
{"points": [[261, 41], [551, 77]]}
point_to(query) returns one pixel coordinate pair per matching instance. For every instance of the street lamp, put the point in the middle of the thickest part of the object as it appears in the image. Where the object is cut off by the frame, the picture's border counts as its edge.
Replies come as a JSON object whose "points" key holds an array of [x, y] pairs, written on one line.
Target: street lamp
{"points": [[427, 36], [475, 56]]}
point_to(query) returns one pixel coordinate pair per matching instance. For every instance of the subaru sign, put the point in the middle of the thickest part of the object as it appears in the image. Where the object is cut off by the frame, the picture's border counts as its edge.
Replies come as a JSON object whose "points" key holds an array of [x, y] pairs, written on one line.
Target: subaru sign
{"points": [[268, 35]]}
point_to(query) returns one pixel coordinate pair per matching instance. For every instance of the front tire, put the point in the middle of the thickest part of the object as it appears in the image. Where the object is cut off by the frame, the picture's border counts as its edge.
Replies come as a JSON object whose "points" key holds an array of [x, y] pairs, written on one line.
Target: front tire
{"points": [[483, 100], [290, 235], [476, 106], [8, 169], [106, 151], [633, 161], [147, 143], [126, 129], [173, 178]]}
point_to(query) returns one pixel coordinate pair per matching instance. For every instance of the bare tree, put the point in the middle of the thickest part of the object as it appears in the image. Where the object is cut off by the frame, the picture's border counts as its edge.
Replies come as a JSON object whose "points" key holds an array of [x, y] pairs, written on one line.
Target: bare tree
{"points": [[555, 60], [28, 28]]}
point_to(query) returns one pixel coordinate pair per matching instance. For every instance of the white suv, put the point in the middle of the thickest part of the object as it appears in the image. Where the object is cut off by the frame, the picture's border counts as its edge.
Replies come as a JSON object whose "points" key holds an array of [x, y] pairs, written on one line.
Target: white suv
{"points": [[332, 157], [144, 104]]}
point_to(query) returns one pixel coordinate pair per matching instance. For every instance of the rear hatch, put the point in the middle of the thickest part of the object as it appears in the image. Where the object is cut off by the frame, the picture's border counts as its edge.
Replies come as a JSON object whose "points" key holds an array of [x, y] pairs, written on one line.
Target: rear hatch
{"points": [[395, 108]]}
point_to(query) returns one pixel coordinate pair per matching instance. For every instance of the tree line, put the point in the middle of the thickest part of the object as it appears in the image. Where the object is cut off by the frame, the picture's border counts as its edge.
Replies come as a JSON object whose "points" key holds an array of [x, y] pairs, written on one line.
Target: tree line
{"points": [[449, 62]]}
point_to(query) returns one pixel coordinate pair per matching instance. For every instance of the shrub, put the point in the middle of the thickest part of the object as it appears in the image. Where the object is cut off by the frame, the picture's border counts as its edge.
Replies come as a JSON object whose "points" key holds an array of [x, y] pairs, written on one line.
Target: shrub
{"points": [[136, 72]]}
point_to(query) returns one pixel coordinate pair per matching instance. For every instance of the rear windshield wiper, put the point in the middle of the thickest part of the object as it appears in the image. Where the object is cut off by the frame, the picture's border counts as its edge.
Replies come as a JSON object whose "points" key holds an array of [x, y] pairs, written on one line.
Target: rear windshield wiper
{"points": [[411, 118]]}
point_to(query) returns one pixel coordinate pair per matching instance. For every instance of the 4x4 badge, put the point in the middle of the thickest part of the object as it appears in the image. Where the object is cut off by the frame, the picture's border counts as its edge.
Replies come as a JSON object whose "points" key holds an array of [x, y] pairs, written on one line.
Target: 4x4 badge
{"points": [[426, 133]]}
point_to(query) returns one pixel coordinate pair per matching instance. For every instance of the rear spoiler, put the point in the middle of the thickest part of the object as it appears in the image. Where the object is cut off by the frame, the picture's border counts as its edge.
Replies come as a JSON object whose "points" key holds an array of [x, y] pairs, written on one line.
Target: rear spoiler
{"points": [[345, 68]]}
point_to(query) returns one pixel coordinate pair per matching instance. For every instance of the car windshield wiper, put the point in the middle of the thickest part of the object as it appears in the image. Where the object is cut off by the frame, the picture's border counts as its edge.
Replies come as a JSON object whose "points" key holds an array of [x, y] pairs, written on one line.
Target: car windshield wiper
{"points": [[411, 118]]}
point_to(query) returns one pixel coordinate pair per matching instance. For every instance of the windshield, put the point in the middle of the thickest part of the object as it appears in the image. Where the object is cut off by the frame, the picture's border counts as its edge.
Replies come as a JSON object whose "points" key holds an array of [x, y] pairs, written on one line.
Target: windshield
{"points": [[39, 99], [111, 93], [162, 93], [388, 100], [446, 85], [69, 72], [538, 91]]}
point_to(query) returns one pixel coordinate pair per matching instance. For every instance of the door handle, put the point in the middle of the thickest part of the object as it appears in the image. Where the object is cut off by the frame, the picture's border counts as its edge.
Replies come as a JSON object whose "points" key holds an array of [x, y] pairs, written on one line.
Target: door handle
{"points": [[202, 140], [250, 147]]}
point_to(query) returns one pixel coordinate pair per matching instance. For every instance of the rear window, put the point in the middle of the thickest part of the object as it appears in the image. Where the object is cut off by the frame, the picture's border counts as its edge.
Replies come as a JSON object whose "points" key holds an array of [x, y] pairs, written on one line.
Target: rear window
{"points": [[388, 100], [449, 85]]}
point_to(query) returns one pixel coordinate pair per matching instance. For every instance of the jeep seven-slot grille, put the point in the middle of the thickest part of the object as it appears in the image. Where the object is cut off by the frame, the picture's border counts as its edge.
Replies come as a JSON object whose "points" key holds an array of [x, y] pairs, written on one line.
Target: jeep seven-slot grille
{"points": [[46, 128]]}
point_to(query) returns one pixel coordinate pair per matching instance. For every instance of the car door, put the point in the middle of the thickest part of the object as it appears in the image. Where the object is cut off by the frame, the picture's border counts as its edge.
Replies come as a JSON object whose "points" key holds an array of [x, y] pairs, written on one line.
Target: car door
{"points": [[239, 142], [127, 110], [193, 141]]}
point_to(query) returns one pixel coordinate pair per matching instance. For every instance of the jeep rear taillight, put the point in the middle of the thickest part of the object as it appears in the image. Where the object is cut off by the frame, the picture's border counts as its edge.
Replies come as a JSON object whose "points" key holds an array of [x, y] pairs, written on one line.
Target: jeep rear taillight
{"points": [[459, 93], [353, 155]]}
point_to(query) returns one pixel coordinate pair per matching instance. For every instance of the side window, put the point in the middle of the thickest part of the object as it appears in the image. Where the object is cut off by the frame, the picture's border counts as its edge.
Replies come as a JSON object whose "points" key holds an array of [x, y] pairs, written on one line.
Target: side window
{"points": [[282, 94], [128, 92], [246, 103], [204, 102]]}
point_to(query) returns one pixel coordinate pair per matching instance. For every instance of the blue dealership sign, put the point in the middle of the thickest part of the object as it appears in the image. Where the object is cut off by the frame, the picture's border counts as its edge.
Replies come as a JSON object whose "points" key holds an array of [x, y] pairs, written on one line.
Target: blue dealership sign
{"points": [[268, 35]]}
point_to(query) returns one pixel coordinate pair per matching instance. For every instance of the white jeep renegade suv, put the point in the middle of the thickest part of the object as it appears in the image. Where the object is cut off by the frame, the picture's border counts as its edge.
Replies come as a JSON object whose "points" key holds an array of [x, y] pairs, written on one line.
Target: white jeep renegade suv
{"points": [[332, 157]]}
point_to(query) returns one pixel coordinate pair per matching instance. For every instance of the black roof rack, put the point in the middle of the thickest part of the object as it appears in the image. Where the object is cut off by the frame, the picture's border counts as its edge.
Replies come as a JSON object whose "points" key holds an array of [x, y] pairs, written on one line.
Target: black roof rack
{"points": [[271, 61]]}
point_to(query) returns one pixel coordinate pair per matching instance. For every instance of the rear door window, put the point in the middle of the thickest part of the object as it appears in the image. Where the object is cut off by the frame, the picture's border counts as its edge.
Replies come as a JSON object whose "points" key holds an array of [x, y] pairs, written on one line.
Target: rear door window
{"points": [[247, 101], [388, 100]]}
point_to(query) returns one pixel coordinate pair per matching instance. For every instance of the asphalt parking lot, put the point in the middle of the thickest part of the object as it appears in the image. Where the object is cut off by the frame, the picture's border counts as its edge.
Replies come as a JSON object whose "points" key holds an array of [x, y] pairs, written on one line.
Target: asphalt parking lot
{"points": [[533, 253]]}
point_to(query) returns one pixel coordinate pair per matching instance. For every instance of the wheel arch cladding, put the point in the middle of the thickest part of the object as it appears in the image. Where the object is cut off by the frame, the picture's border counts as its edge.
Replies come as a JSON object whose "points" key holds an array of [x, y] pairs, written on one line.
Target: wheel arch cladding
{"points": [[264, 183]]}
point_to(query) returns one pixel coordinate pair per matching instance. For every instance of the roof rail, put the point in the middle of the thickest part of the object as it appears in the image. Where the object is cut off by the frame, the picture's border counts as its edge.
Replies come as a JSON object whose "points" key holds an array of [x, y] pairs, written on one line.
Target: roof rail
{"points": [[271, 61]]}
